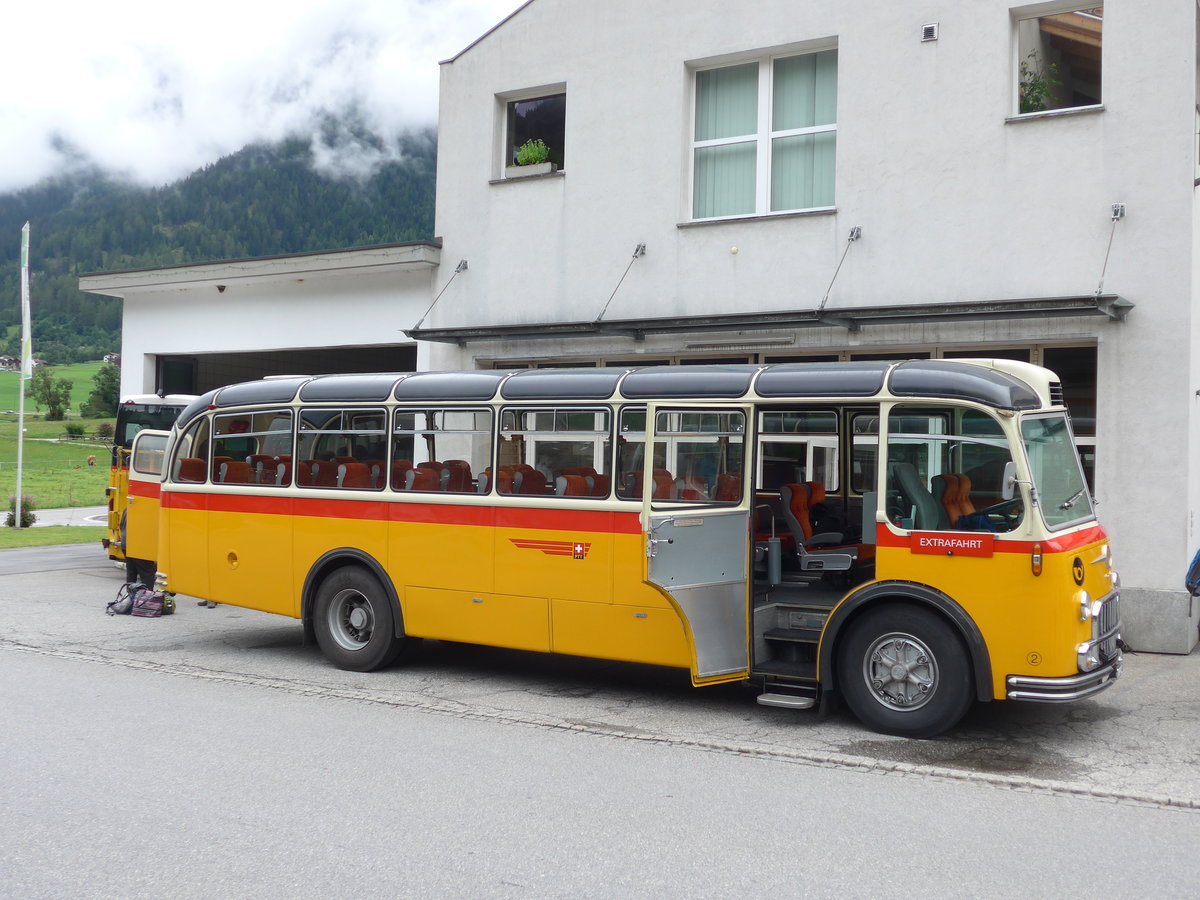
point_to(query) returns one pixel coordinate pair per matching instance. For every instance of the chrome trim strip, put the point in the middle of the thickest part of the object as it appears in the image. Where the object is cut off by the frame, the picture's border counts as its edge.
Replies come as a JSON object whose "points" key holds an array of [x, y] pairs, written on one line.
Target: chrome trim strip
{"points": [[1064, 690]]}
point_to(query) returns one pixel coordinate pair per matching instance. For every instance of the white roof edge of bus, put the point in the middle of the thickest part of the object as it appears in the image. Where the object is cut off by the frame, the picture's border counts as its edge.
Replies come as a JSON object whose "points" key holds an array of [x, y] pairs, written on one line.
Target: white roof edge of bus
{"points": [[1037, 377], [183, 399]]}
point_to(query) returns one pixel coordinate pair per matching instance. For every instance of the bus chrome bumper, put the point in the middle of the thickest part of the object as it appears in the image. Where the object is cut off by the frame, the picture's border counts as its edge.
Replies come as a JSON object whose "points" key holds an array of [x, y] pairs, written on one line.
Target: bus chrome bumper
{"points": [[1064, 690]]}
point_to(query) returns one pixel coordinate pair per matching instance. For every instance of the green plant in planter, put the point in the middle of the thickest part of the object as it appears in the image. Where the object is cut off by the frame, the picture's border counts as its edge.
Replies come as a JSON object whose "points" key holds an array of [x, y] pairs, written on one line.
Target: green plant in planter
{"points": [[1038, 84], [532, 152]]}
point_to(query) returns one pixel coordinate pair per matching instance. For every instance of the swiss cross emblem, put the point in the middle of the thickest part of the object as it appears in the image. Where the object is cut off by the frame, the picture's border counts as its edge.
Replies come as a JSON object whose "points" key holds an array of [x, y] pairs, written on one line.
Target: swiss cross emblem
{"points": [[579, 551]]}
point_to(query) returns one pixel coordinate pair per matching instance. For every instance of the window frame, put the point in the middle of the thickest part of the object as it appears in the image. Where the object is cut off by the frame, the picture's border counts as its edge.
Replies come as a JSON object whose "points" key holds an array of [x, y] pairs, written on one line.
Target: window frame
{"points": [[601, 441], [764, 136], [505, 148], [478, 467], [1033, 12]]}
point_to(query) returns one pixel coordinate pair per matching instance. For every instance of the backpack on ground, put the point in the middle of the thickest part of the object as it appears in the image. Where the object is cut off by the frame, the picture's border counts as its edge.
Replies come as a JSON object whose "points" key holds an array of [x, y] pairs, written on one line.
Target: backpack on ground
{"points": [[138, 600]]}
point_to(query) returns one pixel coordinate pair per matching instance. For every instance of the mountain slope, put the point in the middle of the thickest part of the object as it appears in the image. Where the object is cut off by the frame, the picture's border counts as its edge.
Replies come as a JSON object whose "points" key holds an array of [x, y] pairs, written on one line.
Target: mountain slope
{"points": [[261, 201]]}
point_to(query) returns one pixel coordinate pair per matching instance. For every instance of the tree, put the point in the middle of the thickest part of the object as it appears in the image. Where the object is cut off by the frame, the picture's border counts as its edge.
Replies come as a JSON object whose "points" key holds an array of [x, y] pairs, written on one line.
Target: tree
{"points": [[50, 392], [102, 401]]}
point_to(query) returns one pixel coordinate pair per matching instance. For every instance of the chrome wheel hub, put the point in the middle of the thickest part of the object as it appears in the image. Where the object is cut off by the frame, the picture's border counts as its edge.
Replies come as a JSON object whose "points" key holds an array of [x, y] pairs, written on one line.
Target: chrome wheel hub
{"points": [[351, 620], [901, 671]]}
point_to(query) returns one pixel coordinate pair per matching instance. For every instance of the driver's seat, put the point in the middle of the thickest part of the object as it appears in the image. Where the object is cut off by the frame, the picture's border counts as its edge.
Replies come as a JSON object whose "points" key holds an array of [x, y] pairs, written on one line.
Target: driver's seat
{"points": [[928, 514]]}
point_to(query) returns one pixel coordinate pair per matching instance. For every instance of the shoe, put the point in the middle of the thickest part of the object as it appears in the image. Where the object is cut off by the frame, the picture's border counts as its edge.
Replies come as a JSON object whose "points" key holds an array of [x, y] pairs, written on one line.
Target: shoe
{"points": [[211, 605], [202, 603]]}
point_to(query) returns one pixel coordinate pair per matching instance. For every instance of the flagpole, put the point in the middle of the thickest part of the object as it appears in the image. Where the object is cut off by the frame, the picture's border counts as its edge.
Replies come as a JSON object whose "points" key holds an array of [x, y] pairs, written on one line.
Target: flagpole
{"points": [[26, 369]]}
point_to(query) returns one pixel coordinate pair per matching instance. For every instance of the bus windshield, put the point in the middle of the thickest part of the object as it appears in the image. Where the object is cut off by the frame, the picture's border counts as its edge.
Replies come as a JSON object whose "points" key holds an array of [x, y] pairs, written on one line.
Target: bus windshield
{"points": [[1057, 476], [133, 417]]}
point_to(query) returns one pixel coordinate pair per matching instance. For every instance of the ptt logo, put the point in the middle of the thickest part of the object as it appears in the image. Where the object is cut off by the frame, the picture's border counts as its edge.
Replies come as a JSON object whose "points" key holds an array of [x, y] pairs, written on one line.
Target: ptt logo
{"points": [[573, 549]]}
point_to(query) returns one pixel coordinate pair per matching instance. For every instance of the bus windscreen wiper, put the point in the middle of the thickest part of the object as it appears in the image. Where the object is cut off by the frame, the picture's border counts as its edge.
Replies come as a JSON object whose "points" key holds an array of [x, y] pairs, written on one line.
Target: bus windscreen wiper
{"points": [[1072, 500]]}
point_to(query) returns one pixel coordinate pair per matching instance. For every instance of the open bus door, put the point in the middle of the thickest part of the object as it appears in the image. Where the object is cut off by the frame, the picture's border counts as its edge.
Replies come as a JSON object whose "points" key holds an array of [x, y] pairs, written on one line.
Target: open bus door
{"points": [[139, 530], [696, 524]]}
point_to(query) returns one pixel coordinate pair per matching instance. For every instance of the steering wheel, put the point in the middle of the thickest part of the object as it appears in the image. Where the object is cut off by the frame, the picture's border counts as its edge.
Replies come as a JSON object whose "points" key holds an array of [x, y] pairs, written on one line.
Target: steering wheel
{"points": [[1007, 510]]}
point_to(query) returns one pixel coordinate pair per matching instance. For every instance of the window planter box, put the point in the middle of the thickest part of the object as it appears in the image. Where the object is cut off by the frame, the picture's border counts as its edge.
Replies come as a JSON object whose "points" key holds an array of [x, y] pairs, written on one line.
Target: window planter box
{"points": [[546, 168]]}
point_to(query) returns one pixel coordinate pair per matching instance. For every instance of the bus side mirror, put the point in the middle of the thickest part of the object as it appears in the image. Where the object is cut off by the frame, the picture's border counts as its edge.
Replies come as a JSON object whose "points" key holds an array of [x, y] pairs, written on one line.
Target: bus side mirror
{"points": [[1008, 482]]}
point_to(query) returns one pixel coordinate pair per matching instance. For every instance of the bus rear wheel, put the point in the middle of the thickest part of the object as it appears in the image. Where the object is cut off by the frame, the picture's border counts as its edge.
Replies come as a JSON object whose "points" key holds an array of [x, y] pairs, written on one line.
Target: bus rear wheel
{"points": [[355, 622], [903, 670]]}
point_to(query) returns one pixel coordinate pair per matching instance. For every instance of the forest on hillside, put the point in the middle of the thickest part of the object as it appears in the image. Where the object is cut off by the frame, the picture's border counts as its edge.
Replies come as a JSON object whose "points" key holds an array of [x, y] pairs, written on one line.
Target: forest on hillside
{"points": [[261, 201]]}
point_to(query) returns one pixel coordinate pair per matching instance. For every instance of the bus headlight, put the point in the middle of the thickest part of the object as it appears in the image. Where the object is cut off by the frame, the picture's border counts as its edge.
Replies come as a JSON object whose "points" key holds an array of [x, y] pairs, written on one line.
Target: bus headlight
{"points": [[1086, 608], [1087, 657]]}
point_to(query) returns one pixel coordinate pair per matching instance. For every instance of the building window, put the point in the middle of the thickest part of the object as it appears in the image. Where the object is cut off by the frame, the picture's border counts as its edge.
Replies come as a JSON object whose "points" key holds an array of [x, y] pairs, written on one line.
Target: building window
{"points": [[1059, 59], [538, 119], [765, 136]]}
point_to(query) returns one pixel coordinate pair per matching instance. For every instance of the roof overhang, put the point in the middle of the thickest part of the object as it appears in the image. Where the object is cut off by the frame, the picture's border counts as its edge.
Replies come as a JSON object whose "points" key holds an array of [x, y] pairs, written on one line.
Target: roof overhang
{"points": [[356, 260], [1111, 306]]}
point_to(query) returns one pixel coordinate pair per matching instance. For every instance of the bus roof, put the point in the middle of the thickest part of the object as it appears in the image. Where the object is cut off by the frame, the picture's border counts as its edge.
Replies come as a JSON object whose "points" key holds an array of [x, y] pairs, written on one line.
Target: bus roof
{"points": [[1002, 384]]}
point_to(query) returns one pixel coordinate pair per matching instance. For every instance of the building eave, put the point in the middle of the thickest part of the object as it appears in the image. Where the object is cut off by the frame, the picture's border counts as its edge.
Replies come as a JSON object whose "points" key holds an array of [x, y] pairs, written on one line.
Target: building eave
{"points": [[403, 256], [1112, 306]]}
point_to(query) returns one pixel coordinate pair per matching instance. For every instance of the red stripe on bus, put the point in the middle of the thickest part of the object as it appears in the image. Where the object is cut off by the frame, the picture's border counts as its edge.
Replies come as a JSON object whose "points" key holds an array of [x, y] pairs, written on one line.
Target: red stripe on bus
{"points": [[1066, 543], [145, 489], [611, 522]]}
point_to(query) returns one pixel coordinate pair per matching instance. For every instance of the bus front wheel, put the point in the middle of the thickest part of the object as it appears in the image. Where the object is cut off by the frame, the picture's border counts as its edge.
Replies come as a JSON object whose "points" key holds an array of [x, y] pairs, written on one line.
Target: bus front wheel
{"points": [[903, 670], [354, 621]]}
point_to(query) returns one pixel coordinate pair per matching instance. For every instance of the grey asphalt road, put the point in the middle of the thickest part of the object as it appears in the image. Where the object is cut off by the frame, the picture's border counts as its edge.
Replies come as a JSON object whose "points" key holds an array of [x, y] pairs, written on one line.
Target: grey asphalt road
{"points": [[136, 782], [1139, 741]]}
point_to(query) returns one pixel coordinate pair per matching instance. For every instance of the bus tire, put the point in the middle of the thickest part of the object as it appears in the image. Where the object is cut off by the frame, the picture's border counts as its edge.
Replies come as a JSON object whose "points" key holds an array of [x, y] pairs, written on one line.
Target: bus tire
{"points": [[354, 621], [903, 670]]}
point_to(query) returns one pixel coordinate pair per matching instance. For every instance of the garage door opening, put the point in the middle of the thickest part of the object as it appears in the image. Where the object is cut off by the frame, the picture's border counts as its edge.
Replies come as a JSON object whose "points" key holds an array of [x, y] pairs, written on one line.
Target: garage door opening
{"points": [[202, 372]]}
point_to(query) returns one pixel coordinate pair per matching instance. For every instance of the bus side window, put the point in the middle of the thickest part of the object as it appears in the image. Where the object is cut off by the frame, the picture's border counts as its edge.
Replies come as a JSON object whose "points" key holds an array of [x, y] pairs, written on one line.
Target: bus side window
{"points": [[561, 452], [445, 450], [341, 449], [944, 471], [190, 461]]}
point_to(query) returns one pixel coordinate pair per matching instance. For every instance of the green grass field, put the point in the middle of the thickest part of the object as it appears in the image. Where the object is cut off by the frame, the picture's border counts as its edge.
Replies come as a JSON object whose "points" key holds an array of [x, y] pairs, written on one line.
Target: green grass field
{"points": [[52, 534], [56, 472]]}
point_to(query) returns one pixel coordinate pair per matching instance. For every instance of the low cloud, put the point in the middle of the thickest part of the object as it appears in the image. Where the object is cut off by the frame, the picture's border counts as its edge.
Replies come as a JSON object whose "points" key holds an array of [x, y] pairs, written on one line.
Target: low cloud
{"points": [[152, 91]]}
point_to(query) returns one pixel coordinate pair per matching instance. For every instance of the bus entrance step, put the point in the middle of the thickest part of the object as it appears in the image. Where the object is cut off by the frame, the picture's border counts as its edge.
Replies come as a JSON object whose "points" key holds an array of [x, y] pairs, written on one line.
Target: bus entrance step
{"points": [[788, 701], [803, 670]]}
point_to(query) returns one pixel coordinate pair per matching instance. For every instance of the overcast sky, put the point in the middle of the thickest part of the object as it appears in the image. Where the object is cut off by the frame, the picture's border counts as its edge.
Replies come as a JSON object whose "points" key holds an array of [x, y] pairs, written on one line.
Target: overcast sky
{"points": [[154, 90]]}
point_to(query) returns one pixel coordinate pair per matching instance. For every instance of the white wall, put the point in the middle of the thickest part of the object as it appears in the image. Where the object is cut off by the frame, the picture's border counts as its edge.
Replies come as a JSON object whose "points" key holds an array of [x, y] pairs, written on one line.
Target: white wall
{"points": [[347, 311], [955, 203]]}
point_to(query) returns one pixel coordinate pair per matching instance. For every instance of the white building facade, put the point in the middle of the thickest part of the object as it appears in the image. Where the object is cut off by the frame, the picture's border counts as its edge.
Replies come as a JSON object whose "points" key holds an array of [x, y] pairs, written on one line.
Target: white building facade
{"points": [[982, 178]]}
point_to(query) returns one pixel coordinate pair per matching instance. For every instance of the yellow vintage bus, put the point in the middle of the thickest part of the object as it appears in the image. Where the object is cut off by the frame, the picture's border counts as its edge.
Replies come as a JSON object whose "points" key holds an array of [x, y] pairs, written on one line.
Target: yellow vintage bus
{"points": [[913, 536], [134, 414]]}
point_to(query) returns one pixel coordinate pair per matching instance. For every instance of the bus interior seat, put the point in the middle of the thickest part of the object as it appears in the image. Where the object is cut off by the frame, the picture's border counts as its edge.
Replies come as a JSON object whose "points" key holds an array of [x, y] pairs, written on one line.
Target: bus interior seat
{"points": [[597, 485], [376, 468], [817, 552], [945, 490], [691, 487], [324, 472], [797, 501], [422, 478], [400, 469], [529, 480], [955, 495], [234, 472], [928, 514], [729, 487], [456, 477], [304, 476], [664, 485], [189, 469], [354, 475], [570, 486]]}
